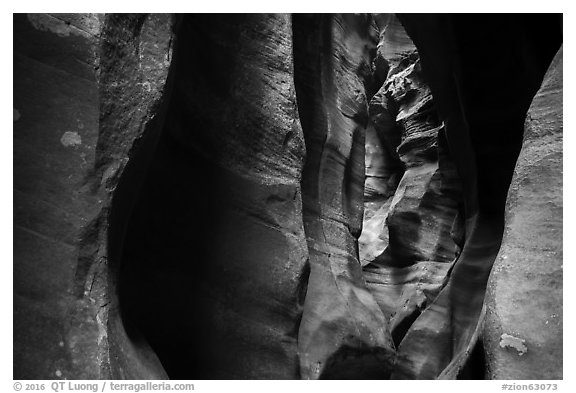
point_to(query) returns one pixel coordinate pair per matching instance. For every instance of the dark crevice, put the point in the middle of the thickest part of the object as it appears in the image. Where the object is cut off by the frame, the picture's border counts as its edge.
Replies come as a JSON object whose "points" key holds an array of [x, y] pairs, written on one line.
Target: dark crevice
{"points": [[302, 289], [475, 366], [357, 362], [401, 328], [160, 272], [482, 133], [188, 282]]}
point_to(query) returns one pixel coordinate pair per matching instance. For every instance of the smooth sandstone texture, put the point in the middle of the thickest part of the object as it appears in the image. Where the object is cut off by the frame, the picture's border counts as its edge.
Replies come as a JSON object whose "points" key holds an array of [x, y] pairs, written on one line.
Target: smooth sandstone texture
{"points": [[484, 128], [136, 52], [67, 163], [213, 270], [56, 332], [286, 197], [524, 299], [412, 188], [343, 333]]}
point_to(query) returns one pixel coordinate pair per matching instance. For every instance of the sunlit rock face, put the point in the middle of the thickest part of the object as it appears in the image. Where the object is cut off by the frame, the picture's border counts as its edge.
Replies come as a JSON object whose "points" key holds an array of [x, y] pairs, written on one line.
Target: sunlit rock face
{"points": [[412, 189]]}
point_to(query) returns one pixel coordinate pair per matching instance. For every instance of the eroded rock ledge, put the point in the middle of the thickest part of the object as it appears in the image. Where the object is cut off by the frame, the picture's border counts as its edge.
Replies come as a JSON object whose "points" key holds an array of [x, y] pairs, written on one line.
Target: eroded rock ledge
{"points": [[294, 197]]}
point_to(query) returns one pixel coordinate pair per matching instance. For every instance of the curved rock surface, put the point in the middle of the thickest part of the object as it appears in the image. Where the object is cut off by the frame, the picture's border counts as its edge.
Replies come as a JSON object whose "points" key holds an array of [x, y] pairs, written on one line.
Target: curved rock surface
{"points": [[484, 144], [343, 333], [409, 220], [55, 133], [86, 88], [524, 299], [136, 52], [287, 197], [221, 258]]}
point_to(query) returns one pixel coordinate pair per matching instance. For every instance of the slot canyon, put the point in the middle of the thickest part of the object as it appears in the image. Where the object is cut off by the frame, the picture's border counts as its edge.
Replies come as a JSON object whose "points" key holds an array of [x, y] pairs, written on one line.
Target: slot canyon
{"points": [[276, 196]]}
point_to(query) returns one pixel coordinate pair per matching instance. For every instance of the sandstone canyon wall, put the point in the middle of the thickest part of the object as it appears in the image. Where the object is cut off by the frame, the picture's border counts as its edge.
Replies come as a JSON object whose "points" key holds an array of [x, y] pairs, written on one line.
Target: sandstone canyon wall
{"points": [[287, 196], [86, 87], [524, 299], [55, 134]]}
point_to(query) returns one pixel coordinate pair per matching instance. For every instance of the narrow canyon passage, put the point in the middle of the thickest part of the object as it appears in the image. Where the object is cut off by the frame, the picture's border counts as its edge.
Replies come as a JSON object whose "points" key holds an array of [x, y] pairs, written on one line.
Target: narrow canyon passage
{"points": [[214, 262], [326, 195]]}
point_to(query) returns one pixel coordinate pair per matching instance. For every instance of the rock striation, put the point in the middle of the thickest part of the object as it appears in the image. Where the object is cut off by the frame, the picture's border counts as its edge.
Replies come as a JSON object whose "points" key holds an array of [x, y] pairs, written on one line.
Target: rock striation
{"points": [[343, 332], [524, 298], [216, 244], [484, 144], [55, 132], [136, 53], [273, 196], [86, 89], [406, 245]]}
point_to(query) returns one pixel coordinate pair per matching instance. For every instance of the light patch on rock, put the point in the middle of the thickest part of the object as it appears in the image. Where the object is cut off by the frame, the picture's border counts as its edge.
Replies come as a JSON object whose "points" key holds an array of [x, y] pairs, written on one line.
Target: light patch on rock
{"points": [[71, 138], [101, 323], [508, 341], [88, 23], [110, 172], [48, 23], [16, 114]]}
